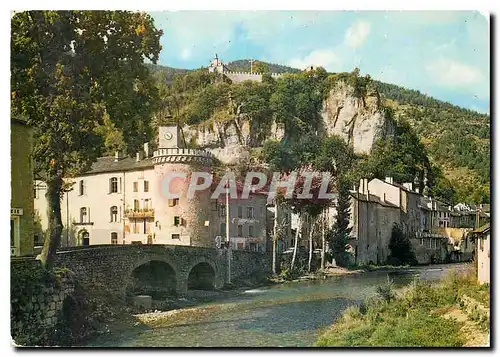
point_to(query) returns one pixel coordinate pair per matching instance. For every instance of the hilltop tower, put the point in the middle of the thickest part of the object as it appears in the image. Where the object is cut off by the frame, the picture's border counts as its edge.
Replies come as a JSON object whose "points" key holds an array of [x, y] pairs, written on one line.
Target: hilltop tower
{"points": [[181, 221]]}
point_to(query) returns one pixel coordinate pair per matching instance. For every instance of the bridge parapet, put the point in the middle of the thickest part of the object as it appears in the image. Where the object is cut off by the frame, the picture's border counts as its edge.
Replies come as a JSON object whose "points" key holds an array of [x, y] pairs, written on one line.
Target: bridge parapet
{"points": [[110, 267]]}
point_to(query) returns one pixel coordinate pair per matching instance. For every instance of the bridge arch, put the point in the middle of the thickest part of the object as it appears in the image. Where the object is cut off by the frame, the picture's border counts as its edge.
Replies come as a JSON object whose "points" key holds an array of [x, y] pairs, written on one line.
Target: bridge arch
{"points": [[157, 276], [201, 277]]}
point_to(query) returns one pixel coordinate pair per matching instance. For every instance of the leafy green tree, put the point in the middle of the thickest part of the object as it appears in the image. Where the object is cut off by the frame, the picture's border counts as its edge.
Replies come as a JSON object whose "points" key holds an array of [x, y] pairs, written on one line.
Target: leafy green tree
{"points": [[400, 247], [69, 68], [338, 236], [260, 67]]}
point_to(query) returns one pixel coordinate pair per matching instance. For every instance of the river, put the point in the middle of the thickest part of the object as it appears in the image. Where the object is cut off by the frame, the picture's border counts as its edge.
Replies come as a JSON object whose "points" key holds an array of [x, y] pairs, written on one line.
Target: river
{"points": [[286, 315]]}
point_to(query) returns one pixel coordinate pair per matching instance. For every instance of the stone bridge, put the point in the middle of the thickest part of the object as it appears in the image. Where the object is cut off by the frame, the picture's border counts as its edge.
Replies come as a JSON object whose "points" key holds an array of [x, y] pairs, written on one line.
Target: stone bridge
{"points": [[159, 269]]}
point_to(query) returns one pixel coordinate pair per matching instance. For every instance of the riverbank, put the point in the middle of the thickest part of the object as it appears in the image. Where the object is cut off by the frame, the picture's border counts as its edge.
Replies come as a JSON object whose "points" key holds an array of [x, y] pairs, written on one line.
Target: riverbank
{"points": [[451, 313]]}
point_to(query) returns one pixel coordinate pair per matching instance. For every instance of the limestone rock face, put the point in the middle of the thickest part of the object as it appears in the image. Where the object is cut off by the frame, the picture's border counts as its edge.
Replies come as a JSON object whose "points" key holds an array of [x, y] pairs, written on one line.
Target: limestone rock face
{"points": [[360, 121], [230, 141]]}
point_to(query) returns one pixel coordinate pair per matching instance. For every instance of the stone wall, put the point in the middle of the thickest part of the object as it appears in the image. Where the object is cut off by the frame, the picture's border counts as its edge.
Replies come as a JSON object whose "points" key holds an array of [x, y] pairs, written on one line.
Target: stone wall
{"points": [[109, 268], [37, 299]]}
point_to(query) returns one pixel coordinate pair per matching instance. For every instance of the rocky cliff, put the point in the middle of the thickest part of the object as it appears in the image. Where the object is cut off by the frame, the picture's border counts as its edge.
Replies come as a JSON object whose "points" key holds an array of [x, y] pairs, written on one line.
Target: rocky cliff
{"points": [[360, 120]]}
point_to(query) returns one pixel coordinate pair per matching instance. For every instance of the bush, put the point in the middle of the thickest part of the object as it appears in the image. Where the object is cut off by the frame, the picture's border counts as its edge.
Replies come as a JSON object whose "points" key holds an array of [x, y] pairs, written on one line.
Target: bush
{"points": [[386, 291]]}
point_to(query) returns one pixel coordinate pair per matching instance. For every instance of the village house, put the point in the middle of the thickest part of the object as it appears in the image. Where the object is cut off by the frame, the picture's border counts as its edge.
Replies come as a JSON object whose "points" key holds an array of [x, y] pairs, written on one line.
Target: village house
{"points": [[21, 176], [482, 257], [121, 200]]}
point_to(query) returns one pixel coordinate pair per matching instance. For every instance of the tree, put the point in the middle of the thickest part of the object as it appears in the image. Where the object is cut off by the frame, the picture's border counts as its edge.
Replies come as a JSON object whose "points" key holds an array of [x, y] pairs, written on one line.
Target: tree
{"points": [[400, 247], [339, 234], [69, 69], [260, 67]]}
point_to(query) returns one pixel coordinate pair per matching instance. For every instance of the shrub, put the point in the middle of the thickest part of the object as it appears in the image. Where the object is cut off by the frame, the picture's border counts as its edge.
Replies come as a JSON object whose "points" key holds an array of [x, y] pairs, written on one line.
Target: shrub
{"points": [[386, 291]]}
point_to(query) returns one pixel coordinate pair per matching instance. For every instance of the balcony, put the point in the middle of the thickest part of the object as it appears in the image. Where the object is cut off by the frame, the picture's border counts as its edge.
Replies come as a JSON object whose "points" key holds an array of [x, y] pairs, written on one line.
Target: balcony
{"points": [[140, 213]]}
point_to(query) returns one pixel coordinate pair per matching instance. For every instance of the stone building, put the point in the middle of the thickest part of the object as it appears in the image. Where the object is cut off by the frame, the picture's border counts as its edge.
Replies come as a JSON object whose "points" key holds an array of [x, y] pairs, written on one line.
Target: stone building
{"points": [[21, 175], [482, 242], [372, 220], [121, 200]]}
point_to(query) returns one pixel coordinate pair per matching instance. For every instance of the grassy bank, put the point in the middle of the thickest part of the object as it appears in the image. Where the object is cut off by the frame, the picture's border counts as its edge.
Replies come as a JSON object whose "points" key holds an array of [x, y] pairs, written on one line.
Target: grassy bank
{"points": [[451, 313]]}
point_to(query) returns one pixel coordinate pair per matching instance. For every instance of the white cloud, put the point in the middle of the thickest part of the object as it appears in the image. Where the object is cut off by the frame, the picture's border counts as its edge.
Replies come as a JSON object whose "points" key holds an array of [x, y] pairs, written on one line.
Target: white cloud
{"points": [[356, 35], [185, 53], [325, 58], [452, 73]]}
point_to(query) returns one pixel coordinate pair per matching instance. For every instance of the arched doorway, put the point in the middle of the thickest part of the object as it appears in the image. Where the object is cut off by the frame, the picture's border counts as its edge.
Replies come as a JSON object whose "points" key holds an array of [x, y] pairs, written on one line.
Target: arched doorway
{"points": [[201, 277], [155, 278], [83, 238]]}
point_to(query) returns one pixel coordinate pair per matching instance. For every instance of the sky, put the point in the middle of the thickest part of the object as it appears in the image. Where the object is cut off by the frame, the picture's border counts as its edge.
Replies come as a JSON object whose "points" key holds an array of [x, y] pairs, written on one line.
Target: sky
{"points": [[444, 54]]}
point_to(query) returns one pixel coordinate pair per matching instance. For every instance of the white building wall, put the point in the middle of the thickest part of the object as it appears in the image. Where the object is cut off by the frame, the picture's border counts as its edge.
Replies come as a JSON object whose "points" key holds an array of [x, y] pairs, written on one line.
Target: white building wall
{"points": [[483, 259]]}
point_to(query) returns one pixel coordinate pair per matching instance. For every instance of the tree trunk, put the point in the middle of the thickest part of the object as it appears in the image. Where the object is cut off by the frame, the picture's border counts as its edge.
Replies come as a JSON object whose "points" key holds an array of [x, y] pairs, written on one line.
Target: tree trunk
{"points": [[299, 227], [310, 246], [275, 236], [53, 236], [323, 241]]}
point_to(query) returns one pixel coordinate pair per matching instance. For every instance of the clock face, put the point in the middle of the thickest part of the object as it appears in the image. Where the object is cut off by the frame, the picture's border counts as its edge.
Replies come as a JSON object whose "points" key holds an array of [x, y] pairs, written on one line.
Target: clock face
{"points": [[168, 136]]}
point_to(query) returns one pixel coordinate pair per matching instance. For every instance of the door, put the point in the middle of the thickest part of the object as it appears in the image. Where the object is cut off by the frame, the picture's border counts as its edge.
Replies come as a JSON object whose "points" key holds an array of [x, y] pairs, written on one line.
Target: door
{"points": [[86, 238]]}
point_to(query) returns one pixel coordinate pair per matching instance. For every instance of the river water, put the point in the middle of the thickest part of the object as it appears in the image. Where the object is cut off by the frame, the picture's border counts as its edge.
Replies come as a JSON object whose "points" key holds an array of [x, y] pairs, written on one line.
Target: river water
{"points": [[286, 315]]}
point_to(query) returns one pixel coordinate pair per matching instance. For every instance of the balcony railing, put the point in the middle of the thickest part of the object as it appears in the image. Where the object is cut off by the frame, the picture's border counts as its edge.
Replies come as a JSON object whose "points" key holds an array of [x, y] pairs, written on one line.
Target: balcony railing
{"points": [[140, 213]]}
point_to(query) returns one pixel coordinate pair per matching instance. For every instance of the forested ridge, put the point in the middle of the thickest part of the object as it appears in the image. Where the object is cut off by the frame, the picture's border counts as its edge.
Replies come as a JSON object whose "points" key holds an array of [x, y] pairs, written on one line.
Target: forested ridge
{"points": [[455, 141]]}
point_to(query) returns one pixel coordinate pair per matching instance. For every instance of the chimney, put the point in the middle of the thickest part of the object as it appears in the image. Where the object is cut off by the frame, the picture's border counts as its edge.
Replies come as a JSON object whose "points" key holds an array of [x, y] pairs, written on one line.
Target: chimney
{"points": [[146, 150], [138, 156], [388, 180], [117, 156]]}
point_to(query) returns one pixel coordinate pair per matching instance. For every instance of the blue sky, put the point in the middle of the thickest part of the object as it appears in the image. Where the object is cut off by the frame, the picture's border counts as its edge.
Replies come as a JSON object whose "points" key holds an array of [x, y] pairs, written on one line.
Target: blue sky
{"points": [[444, 54]]}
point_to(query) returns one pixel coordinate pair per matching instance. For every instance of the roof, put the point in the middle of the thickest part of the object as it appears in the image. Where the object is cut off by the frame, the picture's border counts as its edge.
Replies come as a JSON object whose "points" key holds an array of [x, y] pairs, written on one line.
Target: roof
{"points": [[395, 184], [483, 229], [108, 164], [372, 198]]}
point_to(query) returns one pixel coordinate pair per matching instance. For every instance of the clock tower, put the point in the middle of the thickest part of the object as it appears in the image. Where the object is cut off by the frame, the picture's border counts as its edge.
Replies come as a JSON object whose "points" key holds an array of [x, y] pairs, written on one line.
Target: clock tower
{"points": [[170, 137]]}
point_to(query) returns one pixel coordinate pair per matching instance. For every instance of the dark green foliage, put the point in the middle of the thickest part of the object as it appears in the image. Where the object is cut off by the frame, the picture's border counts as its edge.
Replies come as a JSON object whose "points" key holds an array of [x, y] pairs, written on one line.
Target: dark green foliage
{"points": [[244, 66], [400, 247], [338, 236]]}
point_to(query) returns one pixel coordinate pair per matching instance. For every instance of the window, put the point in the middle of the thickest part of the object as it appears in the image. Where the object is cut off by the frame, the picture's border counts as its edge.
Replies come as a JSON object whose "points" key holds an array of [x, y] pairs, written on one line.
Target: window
{"points": [[427, 243], [114, 238], [113, 185], [147, 203], [146, 186], [421, 241], [223, 229], [177, 221], [83, 215], [136, 205], [241, 246], [250, 212], [240, 212], [114, 214], [481, 244], [12, 232], [82, 188], [35, 193], [136, 186], [136, 226], [240, 230], [250, 231], [222, 211], [176, 236], [173, 202]]}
